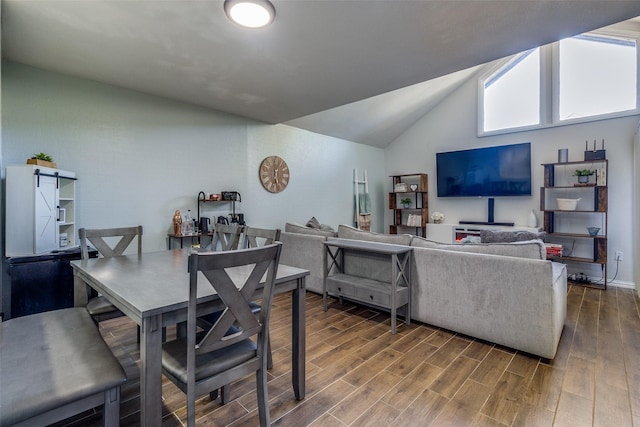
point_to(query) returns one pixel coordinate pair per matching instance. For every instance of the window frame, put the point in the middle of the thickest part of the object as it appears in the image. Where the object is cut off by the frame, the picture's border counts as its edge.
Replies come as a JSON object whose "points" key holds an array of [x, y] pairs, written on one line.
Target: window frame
{"points": [[550, 86]]}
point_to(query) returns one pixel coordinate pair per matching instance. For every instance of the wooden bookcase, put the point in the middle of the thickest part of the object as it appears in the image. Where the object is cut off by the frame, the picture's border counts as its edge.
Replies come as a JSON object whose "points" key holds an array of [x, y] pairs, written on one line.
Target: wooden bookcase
{"points": [[419, 203], [569, 227]]}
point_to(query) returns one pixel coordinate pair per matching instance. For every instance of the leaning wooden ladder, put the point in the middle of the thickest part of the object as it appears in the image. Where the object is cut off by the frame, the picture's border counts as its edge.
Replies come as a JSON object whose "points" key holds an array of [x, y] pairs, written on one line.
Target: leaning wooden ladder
{"points": [[362, 219]]}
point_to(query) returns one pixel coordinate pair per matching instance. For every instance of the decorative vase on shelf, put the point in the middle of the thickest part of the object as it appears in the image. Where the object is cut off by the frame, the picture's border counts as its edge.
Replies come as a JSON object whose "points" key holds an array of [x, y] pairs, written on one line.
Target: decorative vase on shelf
{"points": [[532, 221], [583, 179]]}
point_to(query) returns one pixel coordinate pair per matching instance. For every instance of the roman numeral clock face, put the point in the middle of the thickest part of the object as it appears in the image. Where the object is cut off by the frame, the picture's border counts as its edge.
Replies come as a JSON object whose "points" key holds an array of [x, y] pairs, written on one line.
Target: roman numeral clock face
{"points": [[274, 174]]}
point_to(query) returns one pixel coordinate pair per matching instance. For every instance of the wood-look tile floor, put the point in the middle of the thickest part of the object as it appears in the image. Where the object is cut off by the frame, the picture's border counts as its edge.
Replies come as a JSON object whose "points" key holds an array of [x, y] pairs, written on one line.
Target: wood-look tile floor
{"points": [[358, 374]]}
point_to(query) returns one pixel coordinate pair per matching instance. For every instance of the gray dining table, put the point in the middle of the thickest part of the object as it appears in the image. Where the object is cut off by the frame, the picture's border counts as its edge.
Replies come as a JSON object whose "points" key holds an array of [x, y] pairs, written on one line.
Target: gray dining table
{"points": [[152, 290]]}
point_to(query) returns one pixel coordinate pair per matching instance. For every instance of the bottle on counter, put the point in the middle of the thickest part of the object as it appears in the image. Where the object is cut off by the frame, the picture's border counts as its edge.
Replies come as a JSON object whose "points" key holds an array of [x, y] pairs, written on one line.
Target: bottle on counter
{"points": [[187, 224]]}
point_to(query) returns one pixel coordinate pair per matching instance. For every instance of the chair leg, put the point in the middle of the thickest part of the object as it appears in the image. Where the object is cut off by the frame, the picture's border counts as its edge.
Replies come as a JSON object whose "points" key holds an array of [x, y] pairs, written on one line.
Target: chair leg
{"points": [[263, 398], [225, 392], [111, 411]]}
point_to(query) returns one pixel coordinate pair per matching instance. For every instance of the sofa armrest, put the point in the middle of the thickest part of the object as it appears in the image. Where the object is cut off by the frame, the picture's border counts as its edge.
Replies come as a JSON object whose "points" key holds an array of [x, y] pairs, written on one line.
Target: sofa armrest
{"points": [[559, 296], [304, 251], [516, 302], [559, 272]]}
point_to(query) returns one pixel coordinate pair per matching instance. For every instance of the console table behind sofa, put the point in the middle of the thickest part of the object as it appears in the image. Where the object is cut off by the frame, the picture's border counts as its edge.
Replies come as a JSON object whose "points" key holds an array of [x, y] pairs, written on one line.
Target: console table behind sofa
{"points": [[357, 274]]}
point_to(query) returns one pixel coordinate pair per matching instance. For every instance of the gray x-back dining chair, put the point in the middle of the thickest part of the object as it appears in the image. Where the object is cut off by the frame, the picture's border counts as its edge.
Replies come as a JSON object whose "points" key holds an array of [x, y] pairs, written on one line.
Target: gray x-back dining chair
{"points": [[225, 352], [252, 238], [227, 235], [109, 242], [255, 237]]}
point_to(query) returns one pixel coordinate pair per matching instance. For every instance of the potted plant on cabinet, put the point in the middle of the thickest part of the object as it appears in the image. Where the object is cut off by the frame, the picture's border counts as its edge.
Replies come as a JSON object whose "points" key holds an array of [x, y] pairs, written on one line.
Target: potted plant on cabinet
{"points": [[406, 202], [583, 175], [42, 159]]}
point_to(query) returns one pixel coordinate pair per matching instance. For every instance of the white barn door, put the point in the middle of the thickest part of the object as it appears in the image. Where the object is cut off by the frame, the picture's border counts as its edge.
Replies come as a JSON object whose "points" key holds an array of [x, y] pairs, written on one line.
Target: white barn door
{"points": [[46, 214]]}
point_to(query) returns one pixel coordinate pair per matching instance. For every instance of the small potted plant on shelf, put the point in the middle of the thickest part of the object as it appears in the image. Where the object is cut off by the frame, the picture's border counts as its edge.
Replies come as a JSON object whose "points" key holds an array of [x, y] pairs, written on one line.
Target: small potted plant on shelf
{"points": [[406, 202], [583, 175]]}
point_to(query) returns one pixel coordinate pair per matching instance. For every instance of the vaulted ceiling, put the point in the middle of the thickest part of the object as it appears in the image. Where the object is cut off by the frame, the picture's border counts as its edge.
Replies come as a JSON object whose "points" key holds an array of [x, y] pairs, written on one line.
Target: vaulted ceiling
{"points": [[312, 68]]}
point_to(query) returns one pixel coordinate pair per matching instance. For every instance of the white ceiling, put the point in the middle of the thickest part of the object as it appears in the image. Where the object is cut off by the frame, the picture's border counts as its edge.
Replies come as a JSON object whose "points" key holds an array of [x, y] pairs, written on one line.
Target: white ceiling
{"points": [[306, 69]]}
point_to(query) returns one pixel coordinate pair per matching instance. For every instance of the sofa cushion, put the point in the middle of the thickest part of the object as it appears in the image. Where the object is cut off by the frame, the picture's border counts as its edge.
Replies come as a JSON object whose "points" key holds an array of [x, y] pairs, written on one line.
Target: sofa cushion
{"points": [[348, 232], [301, 229], [533, 249], [497, 236]]}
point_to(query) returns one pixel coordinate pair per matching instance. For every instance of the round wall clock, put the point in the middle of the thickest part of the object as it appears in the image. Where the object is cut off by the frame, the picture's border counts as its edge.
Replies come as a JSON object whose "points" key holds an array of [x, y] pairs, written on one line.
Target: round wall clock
{"points": [[274, 174]]}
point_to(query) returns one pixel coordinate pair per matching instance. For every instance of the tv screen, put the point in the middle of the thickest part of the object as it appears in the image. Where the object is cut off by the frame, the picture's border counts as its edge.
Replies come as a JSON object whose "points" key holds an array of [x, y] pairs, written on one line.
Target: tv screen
{"points": [[485, 172]]}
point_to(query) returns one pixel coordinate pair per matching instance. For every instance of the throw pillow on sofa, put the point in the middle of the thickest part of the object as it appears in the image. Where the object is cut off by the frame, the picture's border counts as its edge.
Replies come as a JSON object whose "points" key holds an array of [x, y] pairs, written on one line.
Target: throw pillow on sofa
{"points": [[348, 232], [326, 227], [471, 239], [491, 236], [290, 227], [313, 223], [533, 249]]}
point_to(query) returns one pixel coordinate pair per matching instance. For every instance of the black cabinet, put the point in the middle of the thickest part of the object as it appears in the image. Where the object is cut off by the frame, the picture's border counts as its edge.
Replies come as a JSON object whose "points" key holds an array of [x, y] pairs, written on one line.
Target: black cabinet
{"points": [[42, 282]]}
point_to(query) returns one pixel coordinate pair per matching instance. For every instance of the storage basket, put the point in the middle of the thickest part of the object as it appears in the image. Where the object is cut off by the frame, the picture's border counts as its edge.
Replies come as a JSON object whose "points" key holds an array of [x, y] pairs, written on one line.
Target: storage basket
{"points": [[567, 204]]}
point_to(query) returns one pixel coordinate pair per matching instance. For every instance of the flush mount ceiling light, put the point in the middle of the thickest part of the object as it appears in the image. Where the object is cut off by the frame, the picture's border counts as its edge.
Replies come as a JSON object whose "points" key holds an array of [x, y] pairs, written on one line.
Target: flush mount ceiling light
{"points": [[250, 13]]}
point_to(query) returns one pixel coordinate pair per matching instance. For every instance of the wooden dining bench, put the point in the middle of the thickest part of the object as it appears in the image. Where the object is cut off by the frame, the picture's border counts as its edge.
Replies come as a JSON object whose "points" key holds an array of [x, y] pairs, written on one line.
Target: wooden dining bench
{"points": [[55, 365]]}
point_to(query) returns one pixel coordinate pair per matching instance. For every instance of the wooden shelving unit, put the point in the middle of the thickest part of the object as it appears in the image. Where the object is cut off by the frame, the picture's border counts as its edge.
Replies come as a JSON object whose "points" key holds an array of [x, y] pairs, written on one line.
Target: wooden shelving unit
{"points": [[419, 205], [569, 226]]}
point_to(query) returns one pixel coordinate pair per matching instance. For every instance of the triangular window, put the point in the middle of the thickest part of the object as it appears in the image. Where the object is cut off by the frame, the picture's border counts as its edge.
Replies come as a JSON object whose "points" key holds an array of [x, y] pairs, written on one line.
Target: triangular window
{"points": [[512, 93]]}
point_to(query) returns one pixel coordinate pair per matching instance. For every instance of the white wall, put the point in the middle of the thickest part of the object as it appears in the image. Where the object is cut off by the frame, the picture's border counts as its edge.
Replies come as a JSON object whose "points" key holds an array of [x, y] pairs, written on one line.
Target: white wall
{"points": [[321, 176], [452, 125], [139, 157]]}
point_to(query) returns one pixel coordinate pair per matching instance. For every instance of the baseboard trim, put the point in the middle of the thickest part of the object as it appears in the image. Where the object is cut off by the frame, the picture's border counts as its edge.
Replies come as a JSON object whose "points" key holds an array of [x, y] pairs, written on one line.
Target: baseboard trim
{"points": [[622, 284]]}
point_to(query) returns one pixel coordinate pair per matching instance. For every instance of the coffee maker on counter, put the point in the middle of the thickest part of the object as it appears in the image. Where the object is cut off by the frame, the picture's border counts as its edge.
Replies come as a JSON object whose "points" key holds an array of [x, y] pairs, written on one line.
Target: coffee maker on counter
{"points": [[237, 218], [234, 217]]}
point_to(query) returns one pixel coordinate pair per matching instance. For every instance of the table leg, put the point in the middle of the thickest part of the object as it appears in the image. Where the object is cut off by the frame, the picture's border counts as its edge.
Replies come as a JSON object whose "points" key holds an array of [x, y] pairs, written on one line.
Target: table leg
{"points": [[407, 269], [298, 336], [325, 273], [394, 287], [80, 292], [151, 372]]}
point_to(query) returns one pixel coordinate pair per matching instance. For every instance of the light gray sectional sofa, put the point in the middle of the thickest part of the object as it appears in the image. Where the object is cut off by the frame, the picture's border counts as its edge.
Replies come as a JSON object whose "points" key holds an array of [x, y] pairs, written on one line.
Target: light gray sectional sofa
{"points": [[505, 293]]}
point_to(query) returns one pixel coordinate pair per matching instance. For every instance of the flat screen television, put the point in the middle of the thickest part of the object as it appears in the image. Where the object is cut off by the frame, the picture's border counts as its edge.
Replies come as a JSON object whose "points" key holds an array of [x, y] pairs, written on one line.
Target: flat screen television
{"points": [[485, 172]]}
